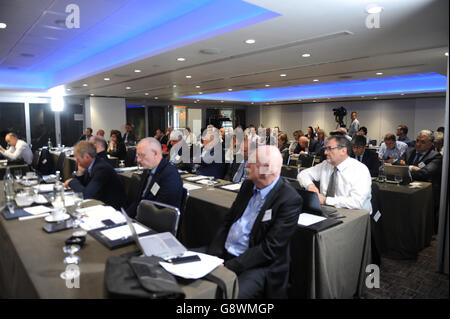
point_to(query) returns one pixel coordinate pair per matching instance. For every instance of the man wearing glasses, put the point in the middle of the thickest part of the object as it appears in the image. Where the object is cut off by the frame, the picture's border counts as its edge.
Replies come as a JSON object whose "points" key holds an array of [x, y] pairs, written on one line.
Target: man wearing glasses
{"points": [[391, 150], [160, 181], [344, 181]]}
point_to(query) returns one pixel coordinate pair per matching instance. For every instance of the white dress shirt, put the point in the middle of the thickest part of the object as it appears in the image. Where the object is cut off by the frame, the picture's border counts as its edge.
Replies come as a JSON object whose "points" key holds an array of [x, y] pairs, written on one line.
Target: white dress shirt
{"points": [[20, 151], [353, 183]]}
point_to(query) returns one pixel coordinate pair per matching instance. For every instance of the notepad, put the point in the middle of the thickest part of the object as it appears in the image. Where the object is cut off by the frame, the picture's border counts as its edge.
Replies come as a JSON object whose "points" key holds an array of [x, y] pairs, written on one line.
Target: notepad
{"points": [[193, 270], [37, 210], [45, 188], [306, 219], [195, 178], [122, 231], [232, 187], [191, 187]]}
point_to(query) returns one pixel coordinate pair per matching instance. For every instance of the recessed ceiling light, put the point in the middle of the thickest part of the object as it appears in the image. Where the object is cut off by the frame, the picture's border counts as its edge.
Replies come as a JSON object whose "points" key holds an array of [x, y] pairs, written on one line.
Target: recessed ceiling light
{"points": [[188, 76], [316, 80], [200, 92], [230, 89], [267, 85], [137, 71], [92, 94], [379, 73], [306, 55], [174, 86], [68, 89], [85, 84], [221, 101], [446, 53], [106, 79], [283, 74], [3, 25], [128, 88], [374, 8], [156, 97], [197, 86], [402, 94], [181, 59], [250, 41]]}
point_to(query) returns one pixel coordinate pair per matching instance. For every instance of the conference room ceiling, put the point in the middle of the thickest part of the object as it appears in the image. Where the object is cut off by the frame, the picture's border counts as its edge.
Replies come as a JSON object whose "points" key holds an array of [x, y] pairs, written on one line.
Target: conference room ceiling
{"points": [[38, 51]]}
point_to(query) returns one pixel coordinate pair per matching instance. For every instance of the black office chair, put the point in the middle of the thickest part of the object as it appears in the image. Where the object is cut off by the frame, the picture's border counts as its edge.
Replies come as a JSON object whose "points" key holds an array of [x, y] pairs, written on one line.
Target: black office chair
{"points": [[130, 160], [158, 216], [183, 205], [60, 162], [35, 162]]}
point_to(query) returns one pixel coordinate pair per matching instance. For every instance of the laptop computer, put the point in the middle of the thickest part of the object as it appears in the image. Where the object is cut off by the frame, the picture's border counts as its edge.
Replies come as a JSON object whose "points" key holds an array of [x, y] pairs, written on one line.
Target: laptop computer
{"points": [[397, 170], [311, 205], [164, 245]]}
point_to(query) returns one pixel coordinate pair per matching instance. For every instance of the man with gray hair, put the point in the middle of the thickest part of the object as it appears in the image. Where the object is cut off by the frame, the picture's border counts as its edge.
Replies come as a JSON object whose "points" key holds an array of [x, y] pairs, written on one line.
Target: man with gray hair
{"points": [[100, 146], [344, 181], [96, 178], [160, 181], [254, 239]]}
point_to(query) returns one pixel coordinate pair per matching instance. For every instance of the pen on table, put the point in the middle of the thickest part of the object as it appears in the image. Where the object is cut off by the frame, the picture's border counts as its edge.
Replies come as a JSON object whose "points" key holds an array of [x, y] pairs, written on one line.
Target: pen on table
{"points": [[33, 216]]}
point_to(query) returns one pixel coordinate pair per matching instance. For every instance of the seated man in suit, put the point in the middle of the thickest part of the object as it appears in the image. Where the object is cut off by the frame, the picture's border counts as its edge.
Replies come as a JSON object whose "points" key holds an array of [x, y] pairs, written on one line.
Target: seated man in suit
{"points": [[87, 135], [96, 178], [100, 146], [236, 172], [211, 161], [307, 146], [128, 136], [160, 181], [254, 239], [180, 151], [18, 151], [369, 158], [344, 181], [425, 163]]}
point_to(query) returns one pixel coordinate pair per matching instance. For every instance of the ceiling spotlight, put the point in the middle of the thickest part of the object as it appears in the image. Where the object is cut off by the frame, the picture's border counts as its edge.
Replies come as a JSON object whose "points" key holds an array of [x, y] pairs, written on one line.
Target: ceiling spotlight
{"points": [[283, 74], [316, 80], [137, 71], [146, 93], [379, 73], [188, 76], [374, 8], [106, 79], [200, 92], [230, 89], [174, 86], [3, 25], [306, 55], [84, 84], [92, 94], [156, 97], [197, 86], [127, 88], [68, 89], [250, 41], [446, 53], [267, 85], [181, 59], [221, 101]]}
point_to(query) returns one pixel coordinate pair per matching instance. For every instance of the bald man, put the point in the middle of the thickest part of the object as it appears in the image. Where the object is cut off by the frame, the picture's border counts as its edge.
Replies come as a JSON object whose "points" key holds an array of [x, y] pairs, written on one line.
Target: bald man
{"points": [[307, 146], [254, 239], [160, 181], [17, 151]]}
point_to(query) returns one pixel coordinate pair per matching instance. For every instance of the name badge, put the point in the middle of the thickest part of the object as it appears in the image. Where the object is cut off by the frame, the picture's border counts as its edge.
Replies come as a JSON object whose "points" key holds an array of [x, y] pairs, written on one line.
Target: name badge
{"points": [[421, 165], [155, 189], [267, 215]]}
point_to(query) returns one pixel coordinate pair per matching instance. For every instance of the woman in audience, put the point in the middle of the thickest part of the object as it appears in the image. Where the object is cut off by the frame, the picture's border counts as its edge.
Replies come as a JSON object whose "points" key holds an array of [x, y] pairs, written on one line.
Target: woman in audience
{"points": [[310, 133], [321, 137], [283, 146], [116, 146]]}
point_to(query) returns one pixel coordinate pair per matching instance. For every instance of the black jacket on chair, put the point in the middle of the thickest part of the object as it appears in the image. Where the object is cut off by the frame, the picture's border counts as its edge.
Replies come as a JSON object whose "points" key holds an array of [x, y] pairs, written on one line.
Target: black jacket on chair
{"points": [[102, 184], [268, 240], [170, 190]]}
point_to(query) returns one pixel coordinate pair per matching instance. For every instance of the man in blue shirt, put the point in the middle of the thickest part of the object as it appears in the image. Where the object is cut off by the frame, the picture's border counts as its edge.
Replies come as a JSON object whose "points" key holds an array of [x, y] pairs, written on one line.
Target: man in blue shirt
{"points": [[254, 239], [391, 150]]}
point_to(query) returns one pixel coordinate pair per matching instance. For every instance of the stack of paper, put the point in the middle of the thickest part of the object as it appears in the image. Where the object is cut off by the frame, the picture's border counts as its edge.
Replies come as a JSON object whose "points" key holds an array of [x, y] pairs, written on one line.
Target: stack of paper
{"points": [[195, 178], [94, 215], [122, 231], [37, 210], [306, 219], [232, 187], [196, 269], [190, 187]]}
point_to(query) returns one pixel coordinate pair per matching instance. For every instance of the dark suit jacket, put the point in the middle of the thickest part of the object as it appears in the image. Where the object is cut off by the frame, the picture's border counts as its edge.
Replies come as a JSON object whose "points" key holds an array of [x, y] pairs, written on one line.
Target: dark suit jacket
{"points": [[284, 150], [370, 159], [120, 152], [432, 169], [129, 137], [269, 240], [216, 169], [103, 184], [170, 183], [313, 148], [104, 155], [84, 137]]}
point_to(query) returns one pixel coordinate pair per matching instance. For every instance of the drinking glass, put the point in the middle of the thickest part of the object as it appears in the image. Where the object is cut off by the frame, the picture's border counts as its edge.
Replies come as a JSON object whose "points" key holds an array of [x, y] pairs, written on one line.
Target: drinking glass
{"points": [[77, 199], [381, 178], [10, 205], [69, 260], [398, 179], [18, 175], [122, 164], [210, 185]]}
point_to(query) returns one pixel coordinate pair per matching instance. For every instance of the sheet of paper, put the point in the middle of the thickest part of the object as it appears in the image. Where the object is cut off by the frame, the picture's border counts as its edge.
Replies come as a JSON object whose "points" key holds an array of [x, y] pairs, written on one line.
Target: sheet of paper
{"points": [[195, 178], [306, 219], [206, 182], [45, 188], [190, 187], [94, 215], [122, 231], [196, 269], [36, 210], [233, 187]]}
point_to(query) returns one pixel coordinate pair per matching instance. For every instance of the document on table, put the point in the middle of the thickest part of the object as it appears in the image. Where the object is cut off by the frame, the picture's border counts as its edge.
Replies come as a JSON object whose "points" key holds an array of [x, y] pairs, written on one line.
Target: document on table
{"points": [[37, 210], [45, 188], [196, 269], [232, 187], [190, 187], [195, 178], [206, 182], [122, 231], [306, 219], [95, 214]]}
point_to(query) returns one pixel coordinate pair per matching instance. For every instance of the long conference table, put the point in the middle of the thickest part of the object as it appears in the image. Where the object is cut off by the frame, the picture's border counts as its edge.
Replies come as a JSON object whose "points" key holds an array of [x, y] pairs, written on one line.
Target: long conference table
{"points": [[31, 262], [328, 264]]}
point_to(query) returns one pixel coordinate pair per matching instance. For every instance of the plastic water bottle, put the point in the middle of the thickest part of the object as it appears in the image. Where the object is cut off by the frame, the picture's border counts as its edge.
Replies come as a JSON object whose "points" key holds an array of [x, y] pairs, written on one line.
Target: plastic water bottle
{"points": [[381, 176], [9, 185], [49, 143]]}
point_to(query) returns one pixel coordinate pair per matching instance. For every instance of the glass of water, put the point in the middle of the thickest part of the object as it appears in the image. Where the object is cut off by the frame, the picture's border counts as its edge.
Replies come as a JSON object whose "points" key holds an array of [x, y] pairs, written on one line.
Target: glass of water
{"points": [[398, 179], [210, 185]]}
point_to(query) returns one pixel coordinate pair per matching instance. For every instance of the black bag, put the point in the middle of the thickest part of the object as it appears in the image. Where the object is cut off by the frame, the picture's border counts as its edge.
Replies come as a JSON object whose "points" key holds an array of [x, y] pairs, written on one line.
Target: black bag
{"points": [[154, 282]]}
